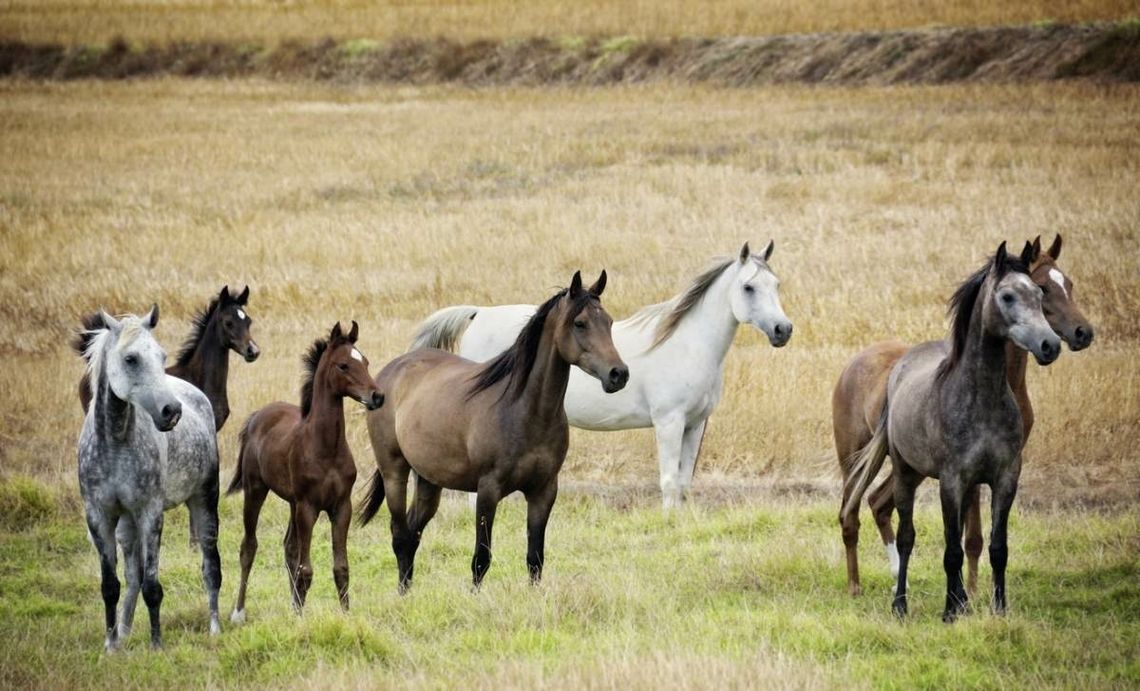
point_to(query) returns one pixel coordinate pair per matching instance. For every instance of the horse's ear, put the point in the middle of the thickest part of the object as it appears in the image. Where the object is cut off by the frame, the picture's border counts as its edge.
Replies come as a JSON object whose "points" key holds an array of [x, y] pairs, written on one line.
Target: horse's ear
{"points": [[224, 296], [1036, 247], [576, 285], [151, 319], [353, 333], [1028, 254], [744, 253], [336, 334], [1055, 248], [244, 297], [109, 321], [599, 285], [1000, 257], [768, 250]]}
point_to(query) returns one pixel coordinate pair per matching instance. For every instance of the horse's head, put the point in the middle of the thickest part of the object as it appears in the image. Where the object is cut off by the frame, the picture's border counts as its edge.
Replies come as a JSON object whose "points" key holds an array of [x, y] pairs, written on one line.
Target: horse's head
{"points": [[582, 334], [133, 363], [754, 295], [346, 371], [1057, 301], [1012, 307], [234, 324]]}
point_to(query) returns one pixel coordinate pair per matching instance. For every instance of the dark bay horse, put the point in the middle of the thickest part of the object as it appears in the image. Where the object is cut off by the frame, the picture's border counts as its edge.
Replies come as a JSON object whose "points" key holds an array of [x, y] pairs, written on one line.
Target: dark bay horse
{"points": [[302, 455], [148, 444], [952, 416], [491, 428], [204, 360], [859, 396]]}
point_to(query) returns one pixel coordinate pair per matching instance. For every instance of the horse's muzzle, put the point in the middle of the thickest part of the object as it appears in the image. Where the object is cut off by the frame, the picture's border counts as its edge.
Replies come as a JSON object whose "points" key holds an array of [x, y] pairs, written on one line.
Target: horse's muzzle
{"points": [[616, 379], [251, 352], [373, 402]]}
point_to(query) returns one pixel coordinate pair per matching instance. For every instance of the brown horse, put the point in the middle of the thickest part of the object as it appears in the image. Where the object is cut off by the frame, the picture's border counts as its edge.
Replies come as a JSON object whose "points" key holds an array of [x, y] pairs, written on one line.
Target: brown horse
{"points": [[490, 428], [204, 360], [858, 399], [302, 455]]}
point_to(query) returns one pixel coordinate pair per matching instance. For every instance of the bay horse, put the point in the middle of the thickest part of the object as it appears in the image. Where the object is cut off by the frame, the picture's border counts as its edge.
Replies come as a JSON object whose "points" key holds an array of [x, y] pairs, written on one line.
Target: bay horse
{"points": [[302, 455], [952, 416], [147, 444], [492, 428], [859, 396], [675, 349], [204, 358]]}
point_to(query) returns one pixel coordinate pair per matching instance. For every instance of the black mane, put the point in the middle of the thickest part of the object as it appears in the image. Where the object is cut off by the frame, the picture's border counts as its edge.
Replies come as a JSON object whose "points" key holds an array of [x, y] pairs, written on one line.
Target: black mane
{"points": [[515, 363], [311, 360], [961, 306], [197, 332]]}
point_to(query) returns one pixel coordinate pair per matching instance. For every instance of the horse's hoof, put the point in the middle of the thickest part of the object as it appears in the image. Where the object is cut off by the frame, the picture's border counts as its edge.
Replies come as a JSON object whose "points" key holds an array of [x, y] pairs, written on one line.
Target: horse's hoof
{"points": [[237, 616], [215, 626], [854, 589], [156, 645], [949, 616], [899, 607]]}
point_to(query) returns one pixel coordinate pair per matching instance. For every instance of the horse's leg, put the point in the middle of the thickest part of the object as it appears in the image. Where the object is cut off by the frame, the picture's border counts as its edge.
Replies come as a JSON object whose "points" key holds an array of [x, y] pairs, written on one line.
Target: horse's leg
{"points": [[882, 502], [304, 518], [251, 509], [488, 500], [150, 535], [1003, 491], [204, 513], [670, 432], [849, 527], [906, 481], [395, 476], [340, 519], [538, 506], [101, 528], [193, 529], [974, 542], [127, 535], [424, 506], [952, 491], [690, 449]]}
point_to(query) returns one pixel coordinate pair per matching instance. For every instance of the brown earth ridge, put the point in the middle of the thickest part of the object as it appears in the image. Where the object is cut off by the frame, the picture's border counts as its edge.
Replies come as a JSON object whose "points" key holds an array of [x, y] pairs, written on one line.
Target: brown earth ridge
{"points": [[1102, 52]]}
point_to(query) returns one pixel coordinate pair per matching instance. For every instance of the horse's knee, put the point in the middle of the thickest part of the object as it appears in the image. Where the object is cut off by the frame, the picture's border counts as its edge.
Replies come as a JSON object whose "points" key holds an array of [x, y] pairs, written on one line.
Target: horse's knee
{"points": [[850, 527], [111, 589], [151, 591], [340, 574]]}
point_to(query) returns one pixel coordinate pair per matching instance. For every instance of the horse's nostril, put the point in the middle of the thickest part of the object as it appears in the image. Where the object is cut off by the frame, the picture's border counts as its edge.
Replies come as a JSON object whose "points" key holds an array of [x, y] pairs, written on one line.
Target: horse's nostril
{"points": [[171, 410], [377, 399]]}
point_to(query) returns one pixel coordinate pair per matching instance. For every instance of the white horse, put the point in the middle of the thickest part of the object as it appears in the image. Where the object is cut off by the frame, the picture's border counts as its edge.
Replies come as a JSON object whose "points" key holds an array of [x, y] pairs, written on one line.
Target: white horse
{"points": [[675, 351]]}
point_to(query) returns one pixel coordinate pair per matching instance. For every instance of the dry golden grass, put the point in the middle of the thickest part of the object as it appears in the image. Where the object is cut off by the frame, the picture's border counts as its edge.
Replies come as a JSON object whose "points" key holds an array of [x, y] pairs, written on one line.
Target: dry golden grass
{"points": [[383, 204], [97, 21]]}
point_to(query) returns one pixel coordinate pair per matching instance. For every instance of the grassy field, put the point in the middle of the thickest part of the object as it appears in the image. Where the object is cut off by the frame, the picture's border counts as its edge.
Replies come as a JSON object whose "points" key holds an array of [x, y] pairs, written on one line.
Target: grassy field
{"points": [[383, 204], [98, 21]]}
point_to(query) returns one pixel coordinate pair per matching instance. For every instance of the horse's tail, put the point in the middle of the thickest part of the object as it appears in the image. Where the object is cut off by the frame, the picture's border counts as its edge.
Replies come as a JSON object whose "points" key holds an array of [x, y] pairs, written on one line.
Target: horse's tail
{"points": [[867, 463], [444, 328], [372, 499], [236, 482], [91, 325]]}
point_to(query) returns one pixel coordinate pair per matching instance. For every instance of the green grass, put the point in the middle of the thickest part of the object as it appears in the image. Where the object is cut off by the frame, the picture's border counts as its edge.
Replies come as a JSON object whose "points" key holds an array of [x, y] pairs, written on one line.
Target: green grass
{"points": [[734, 595]]}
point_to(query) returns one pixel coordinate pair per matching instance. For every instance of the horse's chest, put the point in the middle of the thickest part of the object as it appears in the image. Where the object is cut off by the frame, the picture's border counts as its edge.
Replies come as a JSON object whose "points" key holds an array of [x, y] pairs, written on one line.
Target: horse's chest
{"points": [[694, 393]]}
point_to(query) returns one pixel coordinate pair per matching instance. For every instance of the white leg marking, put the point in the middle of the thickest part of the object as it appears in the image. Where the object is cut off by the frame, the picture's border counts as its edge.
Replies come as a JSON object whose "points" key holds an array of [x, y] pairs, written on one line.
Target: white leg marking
{"points": [[893, 557], [238, 617]]}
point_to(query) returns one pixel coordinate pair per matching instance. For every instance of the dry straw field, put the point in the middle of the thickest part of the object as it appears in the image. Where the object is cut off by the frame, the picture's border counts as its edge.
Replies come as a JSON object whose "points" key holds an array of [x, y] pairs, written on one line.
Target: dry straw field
{"points": [[384, 203]]}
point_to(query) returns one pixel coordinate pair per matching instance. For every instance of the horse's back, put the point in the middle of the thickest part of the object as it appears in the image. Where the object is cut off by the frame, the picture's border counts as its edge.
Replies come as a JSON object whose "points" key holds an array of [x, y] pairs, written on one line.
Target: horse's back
{"points": [[861, 392], [913, 418], [493, 330]]}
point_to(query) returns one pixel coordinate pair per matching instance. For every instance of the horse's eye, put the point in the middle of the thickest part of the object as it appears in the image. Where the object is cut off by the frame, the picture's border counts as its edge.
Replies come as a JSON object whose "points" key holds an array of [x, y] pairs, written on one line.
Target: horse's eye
{"points": [[1007, 298], [131, 360], [342, 367], [748, 288], [579, 324]]}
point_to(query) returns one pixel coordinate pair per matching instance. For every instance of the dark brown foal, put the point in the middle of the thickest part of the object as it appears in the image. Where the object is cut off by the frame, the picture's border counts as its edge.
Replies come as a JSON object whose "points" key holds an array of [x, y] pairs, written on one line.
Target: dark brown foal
{"points": [[302, 455]]}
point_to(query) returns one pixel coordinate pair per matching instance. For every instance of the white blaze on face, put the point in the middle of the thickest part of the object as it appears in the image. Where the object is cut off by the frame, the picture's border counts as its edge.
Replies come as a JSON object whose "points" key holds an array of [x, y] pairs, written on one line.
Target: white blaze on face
{"points": [[241, 315], [357, 356], [1059, 279]]}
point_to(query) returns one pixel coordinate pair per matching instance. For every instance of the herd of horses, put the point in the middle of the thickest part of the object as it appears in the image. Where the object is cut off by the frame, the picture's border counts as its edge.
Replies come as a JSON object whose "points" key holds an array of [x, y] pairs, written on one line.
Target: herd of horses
{"points": [[483, 401]]}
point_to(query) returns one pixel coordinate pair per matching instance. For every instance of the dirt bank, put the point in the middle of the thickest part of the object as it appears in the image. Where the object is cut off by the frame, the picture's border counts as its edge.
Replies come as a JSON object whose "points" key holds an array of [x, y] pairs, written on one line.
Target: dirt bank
{"points": [[1098, 52]]}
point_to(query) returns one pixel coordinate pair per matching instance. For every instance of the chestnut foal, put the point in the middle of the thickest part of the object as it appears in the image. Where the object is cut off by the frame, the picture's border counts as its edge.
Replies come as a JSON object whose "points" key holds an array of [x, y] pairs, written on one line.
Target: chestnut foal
{"points": [[302, 455]]}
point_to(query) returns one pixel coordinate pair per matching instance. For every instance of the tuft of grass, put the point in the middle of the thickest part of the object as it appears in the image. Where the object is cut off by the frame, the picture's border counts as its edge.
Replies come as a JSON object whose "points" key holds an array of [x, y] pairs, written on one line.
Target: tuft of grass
{"points": [[358, 47], [24, 502]]}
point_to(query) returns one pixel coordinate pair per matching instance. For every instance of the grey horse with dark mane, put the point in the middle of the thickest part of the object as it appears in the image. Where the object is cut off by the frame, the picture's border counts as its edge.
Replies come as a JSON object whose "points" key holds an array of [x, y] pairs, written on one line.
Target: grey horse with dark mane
{"points": [[147, 445], [952, 416]]}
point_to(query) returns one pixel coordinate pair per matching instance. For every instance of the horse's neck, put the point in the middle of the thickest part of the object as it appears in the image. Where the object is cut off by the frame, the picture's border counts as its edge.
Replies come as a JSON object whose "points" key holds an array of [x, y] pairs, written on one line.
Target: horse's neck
{"points": [[326, 420], [711, 326], [114, 417], [981, 369], [1016, 361], [544, 393], [209, 365]]}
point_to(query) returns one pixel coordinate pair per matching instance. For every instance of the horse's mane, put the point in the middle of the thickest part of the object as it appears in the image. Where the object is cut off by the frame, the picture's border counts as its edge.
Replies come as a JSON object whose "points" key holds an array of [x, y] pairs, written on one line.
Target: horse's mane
{"points": [[961, 306], [198, 328], [311, 360], [674, 310], [90, 326], [515, 363]]}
